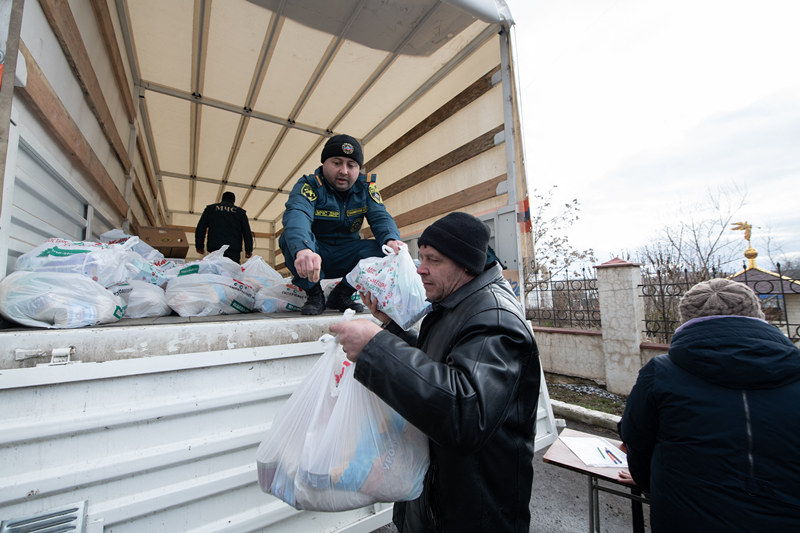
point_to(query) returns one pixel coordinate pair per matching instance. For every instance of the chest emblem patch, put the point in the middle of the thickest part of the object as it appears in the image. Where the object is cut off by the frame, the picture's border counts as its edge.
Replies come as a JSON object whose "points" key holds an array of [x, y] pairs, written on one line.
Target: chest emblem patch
{"points": [[308, 191], [375, 194]]}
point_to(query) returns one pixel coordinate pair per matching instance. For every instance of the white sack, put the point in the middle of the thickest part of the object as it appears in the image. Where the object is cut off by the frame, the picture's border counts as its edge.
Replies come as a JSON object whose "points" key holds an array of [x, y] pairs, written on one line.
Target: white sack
{"points": [[209, 295], [57, 300]]}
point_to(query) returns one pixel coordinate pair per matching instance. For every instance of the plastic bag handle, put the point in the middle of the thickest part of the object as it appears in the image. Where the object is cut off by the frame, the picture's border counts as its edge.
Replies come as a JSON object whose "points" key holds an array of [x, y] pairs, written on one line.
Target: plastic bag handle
{"points": [[388, 250]]}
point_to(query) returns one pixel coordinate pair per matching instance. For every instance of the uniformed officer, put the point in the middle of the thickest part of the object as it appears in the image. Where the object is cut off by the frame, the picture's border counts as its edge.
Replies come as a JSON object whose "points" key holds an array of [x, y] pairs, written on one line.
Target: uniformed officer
{"points": [[226, 224], [324, 213]]}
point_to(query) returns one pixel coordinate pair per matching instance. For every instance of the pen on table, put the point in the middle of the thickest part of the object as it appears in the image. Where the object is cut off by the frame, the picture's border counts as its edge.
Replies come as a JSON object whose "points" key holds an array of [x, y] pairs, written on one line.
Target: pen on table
{"points": [[601, 453], [613, 457]]}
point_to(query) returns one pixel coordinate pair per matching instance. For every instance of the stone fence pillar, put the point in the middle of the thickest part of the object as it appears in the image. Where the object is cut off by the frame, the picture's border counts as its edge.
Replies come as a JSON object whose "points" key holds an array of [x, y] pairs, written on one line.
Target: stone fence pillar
{"points": [[622, 314]]}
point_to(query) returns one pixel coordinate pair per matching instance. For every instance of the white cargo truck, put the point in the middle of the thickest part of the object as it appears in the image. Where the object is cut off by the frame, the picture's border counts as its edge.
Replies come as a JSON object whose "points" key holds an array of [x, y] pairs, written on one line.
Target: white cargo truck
{"points": [[135, 114]]}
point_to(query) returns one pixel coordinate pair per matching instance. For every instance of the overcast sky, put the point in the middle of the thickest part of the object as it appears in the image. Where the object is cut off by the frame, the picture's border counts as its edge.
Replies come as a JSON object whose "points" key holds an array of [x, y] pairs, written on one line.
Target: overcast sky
{"points": [[637, 108]]}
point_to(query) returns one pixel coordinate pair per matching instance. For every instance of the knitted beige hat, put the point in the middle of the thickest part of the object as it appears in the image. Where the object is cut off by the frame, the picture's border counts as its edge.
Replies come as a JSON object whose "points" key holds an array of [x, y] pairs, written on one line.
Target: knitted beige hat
{"points": [[719, 297]]}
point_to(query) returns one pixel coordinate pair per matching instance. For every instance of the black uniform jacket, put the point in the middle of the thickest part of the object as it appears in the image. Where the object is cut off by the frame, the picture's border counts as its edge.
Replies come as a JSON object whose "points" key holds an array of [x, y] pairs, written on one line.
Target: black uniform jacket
{"points": [[226, 224]]}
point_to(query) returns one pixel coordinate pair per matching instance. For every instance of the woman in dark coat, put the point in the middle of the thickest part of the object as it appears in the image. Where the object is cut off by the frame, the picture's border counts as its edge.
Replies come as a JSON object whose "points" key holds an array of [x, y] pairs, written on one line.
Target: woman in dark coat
{"points": [[712, 428]]}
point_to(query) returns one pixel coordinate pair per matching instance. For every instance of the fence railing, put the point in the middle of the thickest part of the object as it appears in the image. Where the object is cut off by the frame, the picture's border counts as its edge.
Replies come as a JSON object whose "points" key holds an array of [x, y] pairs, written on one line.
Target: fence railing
{"points": [[574, 302], [773, 293], [565, 303], [662, 292]]}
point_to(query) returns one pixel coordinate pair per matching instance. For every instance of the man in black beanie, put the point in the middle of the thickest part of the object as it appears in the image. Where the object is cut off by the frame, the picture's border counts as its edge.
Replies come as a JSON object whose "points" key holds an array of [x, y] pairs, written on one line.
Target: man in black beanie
{"points": [[226, 224], [469, 380], [324, 213]]}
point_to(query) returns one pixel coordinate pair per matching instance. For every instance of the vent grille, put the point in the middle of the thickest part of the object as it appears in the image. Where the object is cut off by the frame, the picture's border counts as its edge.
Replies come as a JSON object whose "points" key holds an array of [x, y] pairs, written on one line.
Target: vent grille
{"points": [[66, 519]]}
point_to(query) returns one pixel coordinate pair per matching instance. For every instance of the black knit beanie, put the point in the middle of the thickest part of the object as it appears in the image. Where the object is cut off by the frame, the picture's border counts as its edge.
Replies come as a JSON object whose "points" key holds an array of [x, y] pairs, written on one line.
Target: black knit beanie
{"points": [[343, 146], [461, 237], [228, 196]]}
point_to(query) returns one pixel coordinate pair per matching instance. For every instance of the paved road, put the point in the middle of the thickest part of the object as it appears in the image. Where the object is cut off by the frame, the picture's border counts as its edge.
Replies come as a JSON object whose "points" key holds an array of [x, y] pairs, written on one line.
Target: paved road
{"points": [[560, 499]]}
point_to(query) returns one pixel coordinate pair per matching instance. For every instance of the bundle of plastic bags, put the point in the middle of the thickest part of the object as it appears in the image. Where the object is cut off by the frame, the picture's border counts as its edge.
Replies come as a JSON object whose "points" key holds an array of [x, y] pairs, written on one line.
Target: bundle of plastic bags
{"points": [[279, 297], [107, 264], [57, 300], [209, 295], [259, 274], [336, 446], [144, 300], [393, 281], [117, 236], [214, 263]]}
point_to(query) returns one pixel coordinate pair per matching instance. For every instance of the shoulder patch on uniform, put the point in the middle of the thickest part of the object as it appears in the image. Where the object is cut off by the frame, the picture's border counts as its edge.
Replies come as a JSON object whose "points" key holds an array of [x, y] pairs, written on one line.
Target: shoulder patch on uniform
{"points": [[375, 194], [308, 191]]}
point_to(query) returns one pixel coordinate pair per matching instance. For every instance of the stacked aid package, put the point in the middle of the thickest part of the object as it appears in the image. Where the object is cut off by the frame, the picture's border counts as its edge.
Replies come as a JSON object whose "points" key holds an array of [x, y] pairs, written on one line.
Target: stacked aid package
{"points": [[69, 284], [211, 286], [105, 263], [336, 446], [279, 297], [57, 300]]}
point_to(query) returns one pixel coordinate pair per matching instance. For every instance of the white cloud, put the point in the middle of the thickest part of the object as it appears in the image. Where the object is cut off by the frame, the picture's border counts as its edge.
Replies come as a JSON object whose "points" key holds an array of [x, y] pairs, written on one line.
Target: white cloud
{"points": [[635, 107]]}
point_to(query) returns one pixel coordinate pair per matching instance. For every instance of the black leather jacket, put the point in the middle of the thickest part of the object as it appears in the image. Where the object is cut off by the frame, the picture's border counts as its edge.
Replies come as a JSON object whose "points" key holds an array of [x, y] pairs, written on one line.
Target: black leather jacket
{"points": [[471, 383]]}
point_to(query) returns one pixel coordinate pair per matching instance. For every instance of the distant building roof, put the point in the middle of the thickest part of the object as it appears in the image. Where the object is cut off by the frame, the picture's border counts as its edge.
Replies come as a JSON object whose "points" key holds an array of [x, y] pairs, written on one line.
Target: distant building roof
{"points": [[766, 282]]}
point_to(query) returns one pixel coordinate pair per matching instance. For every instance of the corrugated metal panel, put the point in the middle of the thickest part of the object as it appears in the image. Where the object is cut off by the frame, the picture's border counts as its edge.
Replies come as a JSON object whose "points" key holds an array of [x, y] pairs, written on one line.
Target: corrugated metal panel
{"points": [[44, 206], [62, 520], [154, 446]]}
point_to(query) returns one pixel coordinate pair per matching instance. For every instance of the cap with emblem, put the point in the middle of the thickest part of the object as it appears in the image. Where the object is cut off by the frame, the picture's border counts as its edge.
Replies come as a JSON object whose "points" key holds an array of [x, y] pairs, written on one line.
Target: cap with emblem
{"points": [[343, 146]]}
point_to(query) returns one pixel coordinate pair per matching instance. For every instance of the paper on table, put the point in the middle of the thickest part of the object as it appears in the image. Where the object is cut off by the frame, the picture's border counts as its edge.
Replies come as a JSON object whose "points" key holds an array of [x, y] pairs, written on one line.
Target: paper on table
{"points": [[596, 451]]}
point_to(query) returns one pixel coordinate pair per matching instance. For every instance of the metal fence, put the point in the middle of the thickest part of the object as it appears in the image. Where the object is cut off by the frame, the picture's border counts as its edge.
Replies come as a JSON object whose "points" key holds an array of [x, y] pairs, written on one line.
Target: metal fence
{"points": [[662, 293], [573, 302], [566, 303]]}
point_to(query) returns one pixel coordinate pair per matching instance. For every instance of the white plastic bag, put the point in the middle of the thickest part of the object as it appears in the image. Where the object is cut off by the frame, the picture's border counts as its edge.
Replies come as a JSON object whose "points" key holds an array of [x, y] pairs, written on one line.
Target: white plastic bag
{"points": [[337, 446], [104, 263], [144, 299], [259, 274], [209, 295], [393, 281], [107, 264], [57, 300], [214, 263], [117, 236], [280, 297]]}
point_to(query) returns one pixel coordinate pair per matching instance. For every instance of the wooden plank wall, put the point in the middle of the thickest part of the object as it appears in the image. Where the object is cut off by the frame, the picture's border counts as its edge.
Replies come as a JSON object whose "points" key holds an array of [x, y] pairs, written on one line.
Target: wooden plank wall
{"points": [[48, 107]]}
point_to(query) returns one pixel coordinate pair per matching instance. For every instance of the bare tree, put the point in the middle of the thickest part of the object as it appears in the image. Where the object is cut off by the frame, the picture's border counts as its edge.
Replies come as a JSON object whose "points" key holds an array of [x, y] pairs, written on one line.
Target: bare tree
{"points": [[550, 222], [700, 245], [789, 265], [701, 241]]}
